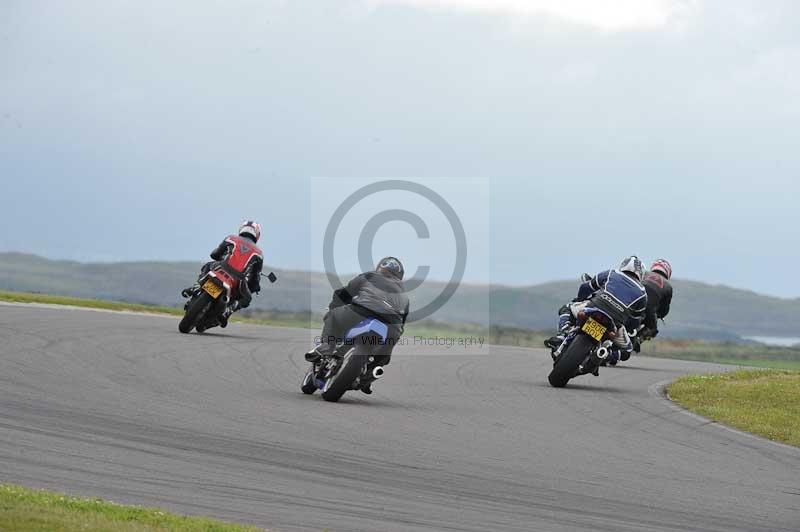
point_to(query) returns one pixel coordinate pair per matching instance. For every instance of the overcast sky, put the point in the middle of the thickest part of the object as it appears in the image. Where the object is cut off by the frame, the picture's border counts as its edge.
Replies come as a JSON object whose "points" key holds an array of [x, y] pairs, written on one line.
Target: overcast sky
{"points": [[146, 130]]}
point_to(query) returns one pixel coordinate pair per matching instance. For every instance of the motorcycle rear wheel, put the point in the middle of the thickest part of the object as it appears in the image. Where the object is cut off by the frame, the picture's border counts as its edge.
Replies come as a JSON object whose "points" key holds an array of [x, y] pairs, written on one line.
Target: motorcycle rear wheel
{"points": [[352, 366], [567, 365], [195, 312]]}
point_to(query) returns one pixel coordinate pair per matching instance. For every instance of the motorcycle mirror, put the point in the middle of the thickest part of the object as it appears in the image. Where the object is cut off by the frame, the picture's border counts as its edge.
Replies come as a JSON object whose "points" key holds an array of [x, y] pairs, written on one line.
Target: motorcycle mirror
{"points": [[272, 277], [586, 278]]}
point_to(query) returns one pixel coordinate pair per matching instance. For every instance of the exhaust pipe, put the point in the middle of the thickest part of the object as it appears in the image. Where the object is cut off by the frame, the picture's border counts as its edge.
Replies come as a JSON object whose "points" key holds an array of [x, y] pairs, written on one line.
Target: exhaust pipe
{"points": [[602, 353], [377, 372]]}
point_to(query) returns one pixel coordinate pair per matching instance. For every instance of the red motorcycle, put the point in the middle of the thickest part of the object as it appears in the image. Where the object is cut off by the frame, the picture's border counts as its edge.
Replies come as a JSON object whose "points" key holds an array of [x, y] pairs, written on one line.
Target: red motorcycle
{"points": [[222, 283]]}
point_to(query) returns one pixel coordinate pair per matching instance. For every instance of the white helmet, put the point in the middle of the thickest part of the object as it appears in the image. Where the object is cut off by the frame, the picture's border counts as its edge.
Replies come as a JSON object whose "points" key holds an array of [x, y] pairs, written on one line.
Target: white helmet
{"points": [[251, 229], [633, 265]]}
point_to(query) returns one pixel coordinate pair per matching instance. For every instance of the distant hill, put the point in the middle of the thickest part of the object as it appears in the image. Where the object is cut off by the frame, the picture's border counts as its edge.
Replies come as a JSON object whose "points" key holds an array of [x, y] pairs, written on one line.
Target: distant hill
{"points": [[699, 310]]}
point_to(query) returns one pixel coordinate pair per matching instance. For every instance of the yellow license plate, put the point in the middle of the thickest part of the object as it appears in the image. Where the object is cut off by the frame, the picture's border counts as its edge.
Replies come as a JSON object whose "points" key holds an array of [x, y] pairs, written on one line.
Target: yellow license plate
{"points": [[212, 288], [594, 329]]}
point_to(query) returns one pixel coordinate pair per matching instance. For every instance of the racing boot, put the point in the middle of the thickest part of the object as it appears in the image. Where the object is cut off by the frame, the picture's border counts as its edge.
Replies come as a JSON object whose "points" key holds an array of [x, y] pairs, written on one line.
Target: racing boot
{"points": [[554, 342], [318, 352], [366, 384], [189, 292], [230, 309]]}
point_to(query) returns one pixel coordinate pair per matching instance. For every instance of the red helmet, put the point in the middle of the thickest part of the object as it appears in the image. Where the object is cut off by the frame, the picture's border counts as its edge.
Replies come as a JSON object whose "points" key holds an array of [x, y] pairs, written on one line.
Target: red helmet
{"points": [[663, 267]]}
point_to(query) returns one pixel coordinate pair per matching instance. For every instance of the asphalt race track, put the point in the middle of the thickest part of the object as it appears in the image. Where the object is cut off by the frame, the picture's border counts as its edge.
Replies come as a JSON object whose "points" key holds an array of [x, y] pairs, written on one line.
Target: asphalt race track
{"points": [[124, 407]]}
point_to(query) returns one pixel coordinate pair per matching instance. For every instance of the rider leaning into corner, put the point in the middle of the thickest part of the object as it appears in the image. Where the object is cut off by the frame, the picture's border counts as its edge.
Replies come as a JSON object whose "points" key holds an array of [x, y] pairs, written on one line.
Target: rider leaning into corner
{"points": [[241, 257], [378, 294], [623, 284], [659, 298]]}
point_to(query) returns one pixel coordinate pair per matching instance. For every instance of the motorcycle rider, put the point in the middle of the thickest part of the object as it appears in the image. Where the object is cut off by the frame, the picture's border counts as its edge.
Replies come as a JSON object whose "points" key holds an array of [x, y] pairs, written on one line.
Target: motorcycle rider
{"points": [[241, 257], [659, 297], [379, 294], [623, 284]]}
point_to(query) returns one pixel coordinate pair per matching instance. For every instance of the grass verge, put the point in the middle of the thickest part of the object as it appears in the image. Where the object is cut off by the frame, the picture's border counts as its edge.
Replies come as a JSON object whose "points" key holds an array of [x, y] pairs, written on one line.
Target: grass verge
{"points": [[764, 402], [24, 297], [25, 510], [725, 353], [750, 362], [278, 319], [720, 353]]}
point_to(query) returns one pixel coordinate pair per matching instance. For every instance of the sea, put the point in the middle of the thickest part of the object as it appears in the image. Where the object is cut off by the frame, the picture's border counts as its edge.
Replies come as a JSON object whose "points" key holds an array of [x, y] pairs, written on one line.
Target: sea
{"points": [[782, 341]]}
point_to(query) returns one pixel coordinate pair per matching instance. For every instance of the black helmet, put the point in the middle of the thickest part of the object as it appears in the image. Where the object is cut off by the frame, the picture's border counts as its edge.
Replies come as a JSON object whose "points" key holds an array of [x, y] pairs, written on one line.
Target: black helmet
{"points": [[391, 265]]}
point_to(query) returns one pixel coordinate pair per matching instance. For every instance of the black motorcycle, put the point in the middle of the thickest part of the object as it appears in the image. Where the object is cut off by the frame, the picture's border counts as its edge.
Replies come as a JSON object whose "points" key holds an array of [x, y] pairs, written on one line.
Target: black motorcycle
{"points": [[351, 366]]}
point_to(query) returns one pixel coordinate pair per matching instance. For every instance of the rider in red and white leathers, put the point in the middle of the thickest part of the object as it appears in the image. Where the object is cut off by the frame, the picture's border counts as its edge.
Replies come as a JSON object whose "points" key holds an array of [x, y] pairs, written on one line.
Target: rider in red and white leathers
{"points": [[242, 258]]}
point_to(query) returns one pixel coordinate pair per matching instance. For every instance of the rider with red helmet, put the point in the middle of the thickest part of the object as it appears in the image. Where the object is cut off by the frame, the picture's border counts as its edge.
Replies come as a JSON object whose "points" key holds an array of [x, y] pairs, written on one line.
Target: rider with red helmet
{"points": [[625, 285], [659, 296], [242, 257]]}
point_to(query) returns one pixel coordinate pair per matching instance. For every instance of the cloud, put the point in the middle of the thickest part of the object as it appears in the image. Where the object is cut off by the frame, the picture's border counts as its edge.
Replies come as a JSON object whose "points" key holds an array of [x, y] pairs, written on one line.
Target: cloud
{"points": [[607, 15]]}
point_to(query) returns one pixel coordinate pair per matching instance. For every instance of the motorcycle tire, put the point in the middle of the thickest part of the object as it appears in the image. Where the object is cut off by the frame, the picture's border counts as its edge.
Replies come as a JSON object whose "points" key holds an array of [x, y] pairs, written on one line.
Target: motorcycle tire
{"points": [[195, 312], [567, 365], [352, 366], [308, 385]]}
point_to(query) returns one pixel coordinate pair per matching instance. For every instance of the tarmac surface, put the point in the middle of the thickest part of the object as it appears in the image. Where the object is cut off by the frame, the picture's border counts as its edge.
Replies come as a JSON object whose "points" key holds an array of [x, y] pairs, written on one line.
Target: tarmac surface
{"points": [[122, 406]]}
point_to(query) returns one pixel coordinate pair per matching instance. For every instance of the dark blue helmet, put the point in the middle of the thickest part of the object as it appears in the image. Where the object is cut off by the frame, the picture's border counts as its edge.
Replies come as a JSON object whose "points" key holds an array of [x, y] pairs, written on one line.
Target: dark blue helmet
{"points": [[391, 265]]}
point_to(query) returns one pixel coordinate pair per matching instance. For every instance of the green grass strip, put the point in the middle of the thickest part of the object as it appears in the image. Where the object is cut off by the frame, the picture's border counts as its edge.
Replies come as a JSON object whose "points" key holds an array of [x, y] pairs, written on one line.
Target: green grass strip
{"points": [[727, 353], [24, 297], [764, 402], [25, 510], [276, 319]]}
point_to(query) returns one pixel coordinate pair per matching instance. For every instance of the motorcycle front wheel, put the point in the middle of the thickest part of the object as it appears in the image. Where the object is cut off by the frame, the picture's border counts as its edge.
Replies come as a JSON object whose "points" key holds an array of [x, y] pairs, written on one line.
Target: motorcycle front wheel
{"points": [[309, 386]]}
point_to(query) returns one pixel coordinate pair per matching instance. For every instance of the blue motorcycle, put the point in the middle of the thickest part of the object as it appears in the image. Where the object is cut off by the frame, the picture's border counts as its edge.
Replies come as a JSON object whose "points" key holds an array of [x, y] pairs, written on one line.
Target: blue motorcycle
{"points": [[588, 345], [351, 365]]}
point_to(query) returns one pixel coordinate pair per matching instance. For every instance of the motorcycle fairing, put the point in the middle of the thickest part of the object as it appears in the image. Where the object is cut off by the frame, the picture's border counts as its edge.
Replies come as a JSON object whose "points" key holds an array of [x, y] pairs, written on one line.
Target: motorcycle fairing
{"points": [[369, 325]]}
